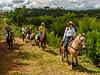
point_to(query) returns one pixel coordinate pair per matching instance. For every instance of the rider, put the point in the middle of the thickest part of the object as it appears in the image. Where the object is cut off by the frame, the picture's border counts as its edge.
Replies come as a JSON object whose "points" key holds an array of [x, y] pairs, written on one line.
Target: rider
{"points": [[7, 30], [28, 32], [23, 33], [42, 29], [68, 34]]}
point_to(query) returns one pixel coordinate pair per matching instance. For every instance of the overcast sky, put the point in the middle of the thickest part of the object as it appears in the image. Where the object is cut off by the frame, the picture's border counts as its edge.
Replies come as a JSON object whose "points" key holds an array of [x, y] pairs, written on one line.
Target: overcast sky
{"points": [[66, 4]]}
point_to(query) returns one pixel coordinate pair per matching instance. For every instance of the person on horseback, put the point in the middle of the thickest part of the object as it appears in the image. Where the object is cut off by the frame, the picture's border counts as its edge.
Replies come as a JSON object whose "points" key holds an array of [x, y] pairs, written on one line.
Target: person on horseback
{"points": [[69, 34], [42, 29], [23, 33], [42, 35], [28, 32], [7, 30]]}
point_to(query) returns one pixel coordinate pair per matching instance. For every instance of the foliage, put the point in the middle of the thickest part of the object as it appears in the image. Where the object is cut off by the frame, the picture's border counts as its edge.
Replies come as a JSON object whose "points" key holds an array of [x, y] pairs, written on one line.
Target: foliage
{"points": [[52, 39], [55, 21], [93, 46]]}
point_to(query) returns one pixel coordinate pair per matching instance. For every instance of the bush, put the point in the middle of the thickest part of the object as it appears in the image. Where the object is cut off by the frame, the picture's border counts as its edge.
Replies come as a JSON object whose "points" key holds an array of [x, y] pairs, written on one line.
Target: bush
{"points": [[93, 46], [16, 30], [52, 39]]}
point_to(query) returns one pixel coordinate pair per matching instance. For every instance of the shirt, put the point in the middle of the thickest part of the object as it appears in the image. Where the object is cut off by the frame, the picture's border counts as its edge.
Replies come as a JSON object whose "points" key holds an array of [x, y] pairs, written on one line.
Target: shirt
{"points": [[42, 28], [69, 32]]}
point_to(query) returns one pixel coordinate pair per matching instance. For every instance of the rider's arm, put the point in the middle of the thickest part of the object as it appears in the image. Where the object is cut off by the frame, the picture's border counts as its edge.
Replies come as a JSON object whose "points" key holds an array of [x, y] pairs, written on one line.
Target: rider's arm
{"points": [[65, 34], [73, 34]]}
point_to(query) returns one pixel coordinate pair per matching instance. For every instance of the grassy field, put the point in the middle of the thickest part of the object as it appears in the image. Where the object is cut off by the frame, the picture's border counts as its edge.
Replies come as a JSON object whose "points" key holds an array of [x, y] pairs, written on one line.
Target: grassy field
{"points": [[29, 60]]}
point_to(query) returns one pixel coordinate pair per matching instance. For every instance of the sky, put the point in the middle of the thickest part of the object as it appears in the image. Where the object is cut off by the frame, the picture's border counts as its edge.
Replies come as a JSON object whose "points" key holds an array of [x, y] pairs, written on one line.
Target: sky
{"points": [[7, 5]]}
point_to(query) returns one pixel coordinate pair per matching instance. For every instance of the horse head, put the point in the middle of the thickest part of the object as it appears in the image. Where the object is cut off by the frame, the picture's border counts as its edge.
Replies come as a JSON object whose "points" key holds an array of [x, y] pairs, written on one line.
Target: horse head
{"points": [[82, 40]]}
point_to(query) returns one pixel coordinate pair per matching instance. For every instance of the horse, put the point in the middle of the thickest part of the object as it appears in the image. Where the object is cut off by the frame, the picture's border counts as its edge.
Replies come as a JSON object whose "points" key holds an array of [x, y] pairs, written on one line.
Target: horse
{"points": [[9, 39], [32, 38], [27, 38], [41, 39], [73, 49]]}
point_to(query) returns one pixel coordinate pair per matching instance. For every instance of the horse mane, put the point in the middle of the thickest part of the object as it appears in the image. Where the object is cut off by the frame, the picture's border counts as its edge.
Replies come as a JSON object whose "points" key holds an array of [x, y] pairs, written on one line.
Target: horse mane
{"points": [[76, 40]]}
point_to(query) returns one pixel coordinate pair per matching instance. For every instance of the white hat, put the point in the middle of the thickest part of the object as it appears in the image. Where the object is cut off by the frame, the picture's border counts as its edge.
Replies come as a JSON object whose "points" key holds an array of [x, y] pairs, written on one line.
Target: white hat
{"points": [[42, 22]]}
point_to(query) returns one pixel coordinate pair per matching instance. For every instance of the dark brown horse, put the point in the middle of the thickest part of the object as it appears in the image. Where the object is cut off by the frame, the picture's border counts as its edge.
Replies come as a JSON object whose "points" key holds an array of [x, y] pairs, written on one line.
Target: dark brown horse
{"points": [[10, 39], [42, 39], [73, 49], [28, 32]]}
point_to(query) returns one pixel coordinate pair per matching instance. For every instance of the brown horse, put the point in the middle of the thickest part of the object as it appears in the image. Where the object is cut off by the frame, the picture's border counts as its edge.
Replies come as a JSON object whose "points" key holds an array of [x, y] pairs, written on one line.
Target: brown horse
{"points": [[27, 34], [9, 39], [42, 39], [32, 38], [73, 49]]}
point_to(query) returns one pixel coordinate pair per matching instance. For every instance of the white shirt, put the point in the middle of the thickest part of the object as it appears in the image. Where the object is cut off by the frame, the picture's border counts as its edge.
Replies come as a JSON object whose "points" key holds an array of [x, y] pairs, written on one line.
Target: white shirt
{"points": [[69, 32]]}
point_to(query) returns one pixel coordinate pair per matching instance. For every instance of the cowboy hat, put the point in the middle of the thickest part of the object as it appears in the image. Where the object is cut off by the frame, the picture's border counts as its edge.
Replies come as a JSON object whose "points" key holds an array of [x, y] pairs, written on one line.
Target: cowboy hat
{"points": [[42, 23], [70, 22]]}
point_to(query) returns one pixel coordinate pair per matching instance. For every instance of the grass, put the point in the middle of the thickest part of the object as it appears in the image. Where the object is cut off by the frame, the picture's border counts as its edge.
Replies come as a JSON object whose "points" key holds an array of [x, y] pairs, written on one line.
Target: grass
{"points": [[35, 61], [49, 63]]}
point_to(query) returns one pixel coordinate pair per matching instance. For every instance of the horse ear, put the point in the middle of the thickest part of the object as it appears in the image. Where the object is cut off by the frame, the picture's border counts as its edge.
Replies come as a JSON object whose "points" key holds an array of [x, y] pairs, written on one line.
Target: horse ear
{"points": [[83, 34], [79, 34]]}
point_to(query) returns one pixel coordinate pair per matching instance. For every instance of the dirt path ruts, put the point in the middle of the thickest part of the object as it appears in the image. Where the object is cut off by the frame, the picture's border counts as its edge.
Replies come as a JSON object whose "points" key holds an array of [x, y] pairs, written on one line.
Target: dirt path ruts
{"points": [[9, 58]]}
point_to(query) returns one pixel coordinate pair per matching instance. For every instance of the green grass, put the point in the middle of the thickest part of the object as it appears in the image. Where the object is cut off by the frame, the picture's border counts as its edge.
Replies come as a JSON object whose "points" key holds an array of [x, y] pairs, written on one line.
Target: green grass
{"points": [[49, 63]]}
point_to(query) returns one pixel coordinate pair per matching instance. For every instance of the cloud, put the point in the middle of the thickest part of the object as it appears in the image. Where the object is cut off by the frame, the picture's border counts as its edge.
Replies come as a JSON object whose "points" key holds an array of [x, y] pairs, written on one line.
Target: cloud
{"points": [[66, 4]]}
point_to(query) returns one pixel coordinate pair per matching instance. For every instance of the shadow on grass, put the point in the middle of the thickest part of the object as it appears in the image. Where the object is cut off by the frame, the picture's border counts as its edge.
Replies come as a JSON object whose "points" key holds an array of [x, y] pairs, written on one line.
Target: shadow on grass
{"points": [[51, 51], [84, 69], [28, 55], [8, 58]]}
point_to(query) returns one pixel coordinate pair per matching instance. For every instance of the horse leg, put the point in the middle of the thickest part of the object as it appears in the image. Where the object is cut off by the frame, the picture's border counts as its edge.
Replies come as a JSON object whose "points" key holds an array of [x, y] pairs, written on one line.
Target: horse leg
{"points": [[76, 61], [42, 45], [23, 37], [67, 58], [73, 63], [8, 42], [62, 56], [66, 52], [11, 44]]}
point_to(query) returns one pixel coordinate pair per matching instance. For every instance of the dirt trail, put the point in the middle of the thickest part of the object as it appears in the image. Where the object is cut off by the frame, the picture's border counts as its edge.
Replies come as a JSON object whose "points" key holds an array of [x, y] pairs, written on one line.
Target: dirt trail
{"points": [[9, 58]]}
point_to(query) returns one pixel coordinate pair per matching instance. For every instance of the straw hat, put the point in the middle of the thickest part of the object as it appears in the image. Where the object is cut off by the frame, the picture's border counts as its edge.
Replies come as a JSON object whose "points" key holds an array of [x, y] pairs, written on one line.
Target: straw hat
{"points": [[70, 22], [42, 23]]}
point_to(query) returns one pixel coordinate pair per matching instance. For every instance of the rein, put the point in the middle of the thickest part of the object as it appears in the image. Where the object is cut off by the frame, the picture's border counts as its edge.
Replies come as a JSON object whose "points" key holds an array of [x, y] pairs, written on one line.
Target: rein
{"points": [[74, 48]]}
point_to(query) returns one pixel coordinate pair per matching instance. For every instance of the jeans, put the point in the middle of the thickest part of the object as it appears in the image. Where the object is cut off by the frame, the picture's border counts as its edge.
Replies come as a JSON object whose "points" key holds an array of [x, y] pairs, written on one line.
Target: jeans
{"points": [[66, 40]]}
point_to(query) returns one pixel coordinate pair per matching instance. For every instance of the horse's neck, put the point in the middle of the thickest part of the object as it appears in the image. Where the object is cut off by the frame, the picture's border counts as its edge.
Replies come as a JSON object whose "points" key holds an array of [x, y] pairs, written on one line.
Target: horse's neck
{"points": [[76, 42]]}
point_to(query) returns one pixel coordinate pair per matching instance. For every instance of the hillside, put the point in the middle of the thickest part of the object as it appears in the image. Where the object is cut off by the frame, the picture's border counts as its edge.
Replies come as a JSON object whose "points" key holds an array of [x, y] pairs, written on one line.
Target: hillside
{"points": [[28, 60]]}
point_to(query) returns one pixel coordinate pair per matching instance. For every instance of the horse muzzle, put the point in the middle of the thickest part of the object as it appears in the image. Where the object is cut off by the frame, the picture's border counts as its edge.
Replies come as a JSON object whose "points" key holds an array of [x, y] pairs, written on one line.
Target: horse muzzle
{"points": [[83, 46]]}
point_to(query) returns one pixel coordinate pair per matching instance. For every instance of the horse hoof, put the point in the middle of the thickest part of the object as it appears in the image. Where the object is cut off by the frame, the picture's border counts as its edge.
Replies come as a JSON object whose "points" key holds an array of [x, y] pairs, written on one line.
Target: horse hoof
{"points": [[32, 44], [70, 68], [8, 48]]}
